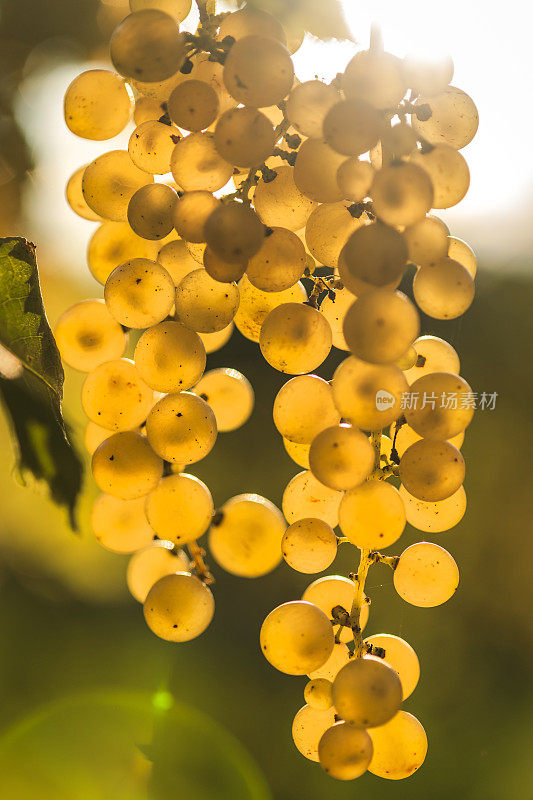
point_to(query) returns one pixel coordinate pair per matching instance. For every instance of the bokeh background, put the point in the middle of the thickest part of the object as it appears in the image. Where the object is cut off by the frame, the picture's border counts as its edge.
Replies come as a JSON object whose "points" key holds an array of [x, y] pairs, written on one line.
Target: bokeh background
{"points": [[83, 683]]}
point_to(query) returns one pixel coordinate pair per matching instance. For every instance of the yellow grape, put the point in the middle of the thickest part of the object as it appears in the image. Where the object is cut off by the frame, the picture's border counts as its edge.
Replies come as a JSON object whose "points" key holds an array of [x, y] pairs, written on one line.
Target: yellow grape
{"points": [[341, 457], [295, 338], [139, 293], [98, 104], [110, 181], [369, 395], [147, 566], [461, 252], [317, 693], [338, 658], [191, 212], [298, 452], [448, 171], [426, 575], [151, 145], [355, 178], [434, 517], [196, 164], [367, 692], [400, 747], [87, 335], [431, 470], [399, 141], [402, 194], [352, 127], [427, 240], [255, 306], [181, 428], [114, 243], [375, 77], [375, 254], [305, 496], [75, 198], [250, 21], [258, 71], [372, 515], [120, 525], [175, 257], [335, 311], [315, 171], [331, 591], [444, 289], [427, 76], [147, 109], [179, 607], [303, 407], [170, 357], [178, 9], [150, 211], [406, 436], [309, 545], [344, 751], [279, 263], [442, 408], [193, 105], [229, 394], [147, 46], [328, 229], [307, 106], [180, 508], [221, 270], [296, 637], [244, 136], [279, 202], [234, 232], [437, 355], [212, 73], [308, 727], [115, 396], [454, 118], [125, 466], [215, 341], [401, 657], [380, 326], [204, 304], [94, 435]]}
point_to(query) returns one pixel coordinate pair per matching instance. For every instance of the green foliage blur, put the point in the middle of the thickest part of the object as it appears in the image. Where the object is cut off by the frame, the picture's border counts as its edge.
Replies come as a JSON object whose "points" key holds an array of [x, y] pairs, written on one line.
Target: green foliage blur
{"points": [[93, 706]]}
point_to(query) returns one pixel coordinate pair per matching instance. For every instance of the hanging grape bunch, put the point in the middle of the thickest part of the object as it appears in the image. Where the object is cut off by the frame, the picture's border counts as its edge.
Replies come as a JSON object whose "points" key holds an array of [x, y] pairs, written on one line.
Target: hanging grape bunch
{"points": [[291, 211]]}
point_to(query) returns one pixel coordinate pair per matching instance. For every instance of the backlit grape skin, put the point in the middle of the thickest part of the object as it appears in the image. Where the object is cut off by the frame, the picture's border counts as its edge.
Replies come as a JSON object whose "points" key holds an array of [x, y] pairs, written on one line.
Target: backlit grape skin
{"points": [[344, 751], [331, 591], [356, 385], [120, 525], [98, 104], [258, 71], [426, 575], [432, 470], [87, 335], [180, 508], [434, 517], [170, 357], [317, 693], [308, 727], [295, 338], [303, 407], [453, 121], [367, 692], [280, 202], [372, 515], [296, 637], [147, 46], [400, 747], [110, 181], [147, 566], [280, 262], [255, 306], [447, 412], [150, 211], [341, 457], [380, 326], [75, 198], [309, 545], [139, 293], [181, 428], [206, 305], [193, 105], [114, 243], [115, 396], [305, 496], [230, 396], [125, 466], [151, 145], [179, 607], [443, 289], [401, 657]]}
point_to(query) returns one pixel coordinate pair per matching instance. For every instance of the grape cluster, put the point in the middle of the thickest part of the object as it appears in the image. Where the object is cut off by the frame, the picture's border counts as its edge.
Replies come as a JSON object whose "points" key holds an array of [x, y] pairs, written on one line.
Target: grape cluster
{"points": [[290, 211]]}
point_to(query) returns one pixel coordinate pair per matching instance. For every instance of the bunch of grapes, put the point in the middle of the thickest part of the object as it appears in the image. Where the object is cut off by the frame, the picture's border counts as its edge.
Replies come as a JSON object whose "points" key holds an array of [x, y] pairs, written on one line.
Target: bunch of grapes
{"points": [[291, 211]]}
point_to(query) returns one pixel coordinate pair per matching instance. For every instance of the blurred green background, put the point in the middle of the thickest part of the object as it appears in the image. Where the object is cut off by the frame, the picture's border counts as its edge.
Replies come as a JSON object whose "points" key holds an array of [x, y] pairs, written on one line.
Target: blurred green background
{"points": [[82, 680]]}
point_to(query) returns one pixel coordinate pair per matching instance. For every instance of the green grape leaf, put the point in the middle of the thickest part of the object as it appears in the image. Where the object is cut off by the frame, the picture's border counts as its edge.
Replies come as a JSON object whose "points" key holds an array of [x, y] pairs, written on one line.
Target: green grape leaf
{"points": [[321, 18], [31, 378]]}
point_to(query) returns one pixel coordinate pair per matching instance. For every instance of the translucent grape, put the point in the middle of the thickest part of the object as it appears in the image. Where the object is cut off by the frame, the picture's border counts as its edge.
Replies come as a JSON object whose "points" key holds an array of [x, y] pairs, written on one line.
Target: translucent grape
{"points": [[305, 496], [245, 537], [170, 357], [309, 545], [147, 566], [258, 71], [367, 692], [249, 21], [400, 747], [334, 310], [256, 305], [110, 181], [426, 575], [150, 211], [181, 428], [375, 254], [427, 76], [191, 212], [434, 517], [204, 304], [221, 270], [147, 109], [344, 751], [432, 470], [401, 657], [234, 232], [279, 202], [352, 127], [215, 341], [444, 289], [159, 90], [406, 436], [196, 164], [380, 326], [279, 263], [338, 658], [75, 197], [437, 356], [179, 607], [355, 178], [115, 396], [372, 515], [298, 452], [139, 293], [176, 259], [303, 407], [317, 693], [212, 73], [398, 141], [443, 408], [461, 252], [369, 395], [308, 727], [180, 508], [296, 638], [193, 105], [375, 77], [147, 46], [229, 394], [295, 338], [331, 591], [87, 335], [125, 466], [244, 137], [402, 194], [112, 244], [427, 240], [178, 9], [328, 229], [307, 106], [341, 457], [94, 436], [120, 525], [315, 171], [98, 104], [150, 146], [448, 171], [454, 118]]}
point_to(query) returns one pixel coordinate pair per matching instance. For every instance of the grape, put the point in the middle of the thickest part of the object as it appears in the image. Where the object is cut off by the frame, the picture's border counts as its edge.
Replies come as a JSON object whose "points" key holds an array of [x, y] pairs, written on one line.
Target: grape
{"points": [[159, 91], [296, 637], [400, 747], [191, 212], [307, 106], [298, 452], [303, 407], [434, 517], [442, 408], [139, 293], [180, 508], [453, 121], [369, 395], [214, 341], [355, 178], [345, 751], [256, 305], [245, 537], [75, 197], [309, 545], [341, 457], [196, 164], [317, 693], [258, 71], [181, 428], [120, 525], [251, 22], [110, 181], [230, 396], [375, 254], [461, 252], [331, 591], [426, 575], [408, 359], [94, 436], [179, 9], [212, 73], [244, 137], [112, 244], [147, 109], [402, 194], [339, 657], [367, 692], [98, 104], [432, 470], [315, 171], [334, 310], [234, 232], [372, 515], [193, 105], [375, 77], [150, 211], [398, 141], [87, 335], [328, 229], [170, 357], [427, 76], [380, 326], [279, 263], [204, 304], [147, 566], [448, 171], [406, 436], [125, 466], [147, 46], [151, 145], [221, 270], [444, 289], [176, 259], [308, 727], [305, 496], [401, 657], [352, 127], [179, 607], [427, 240], [280, 202], [115, 396], [438, 355], [295, 338]]}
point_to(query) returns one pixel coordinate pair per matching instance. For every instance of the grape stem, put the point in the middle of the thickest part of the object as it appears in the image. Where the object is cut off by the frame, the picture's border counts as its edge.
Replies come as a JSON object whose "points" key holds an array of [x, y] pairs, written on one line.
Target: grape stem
{"points": [[366, 559], [201, 569]]}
